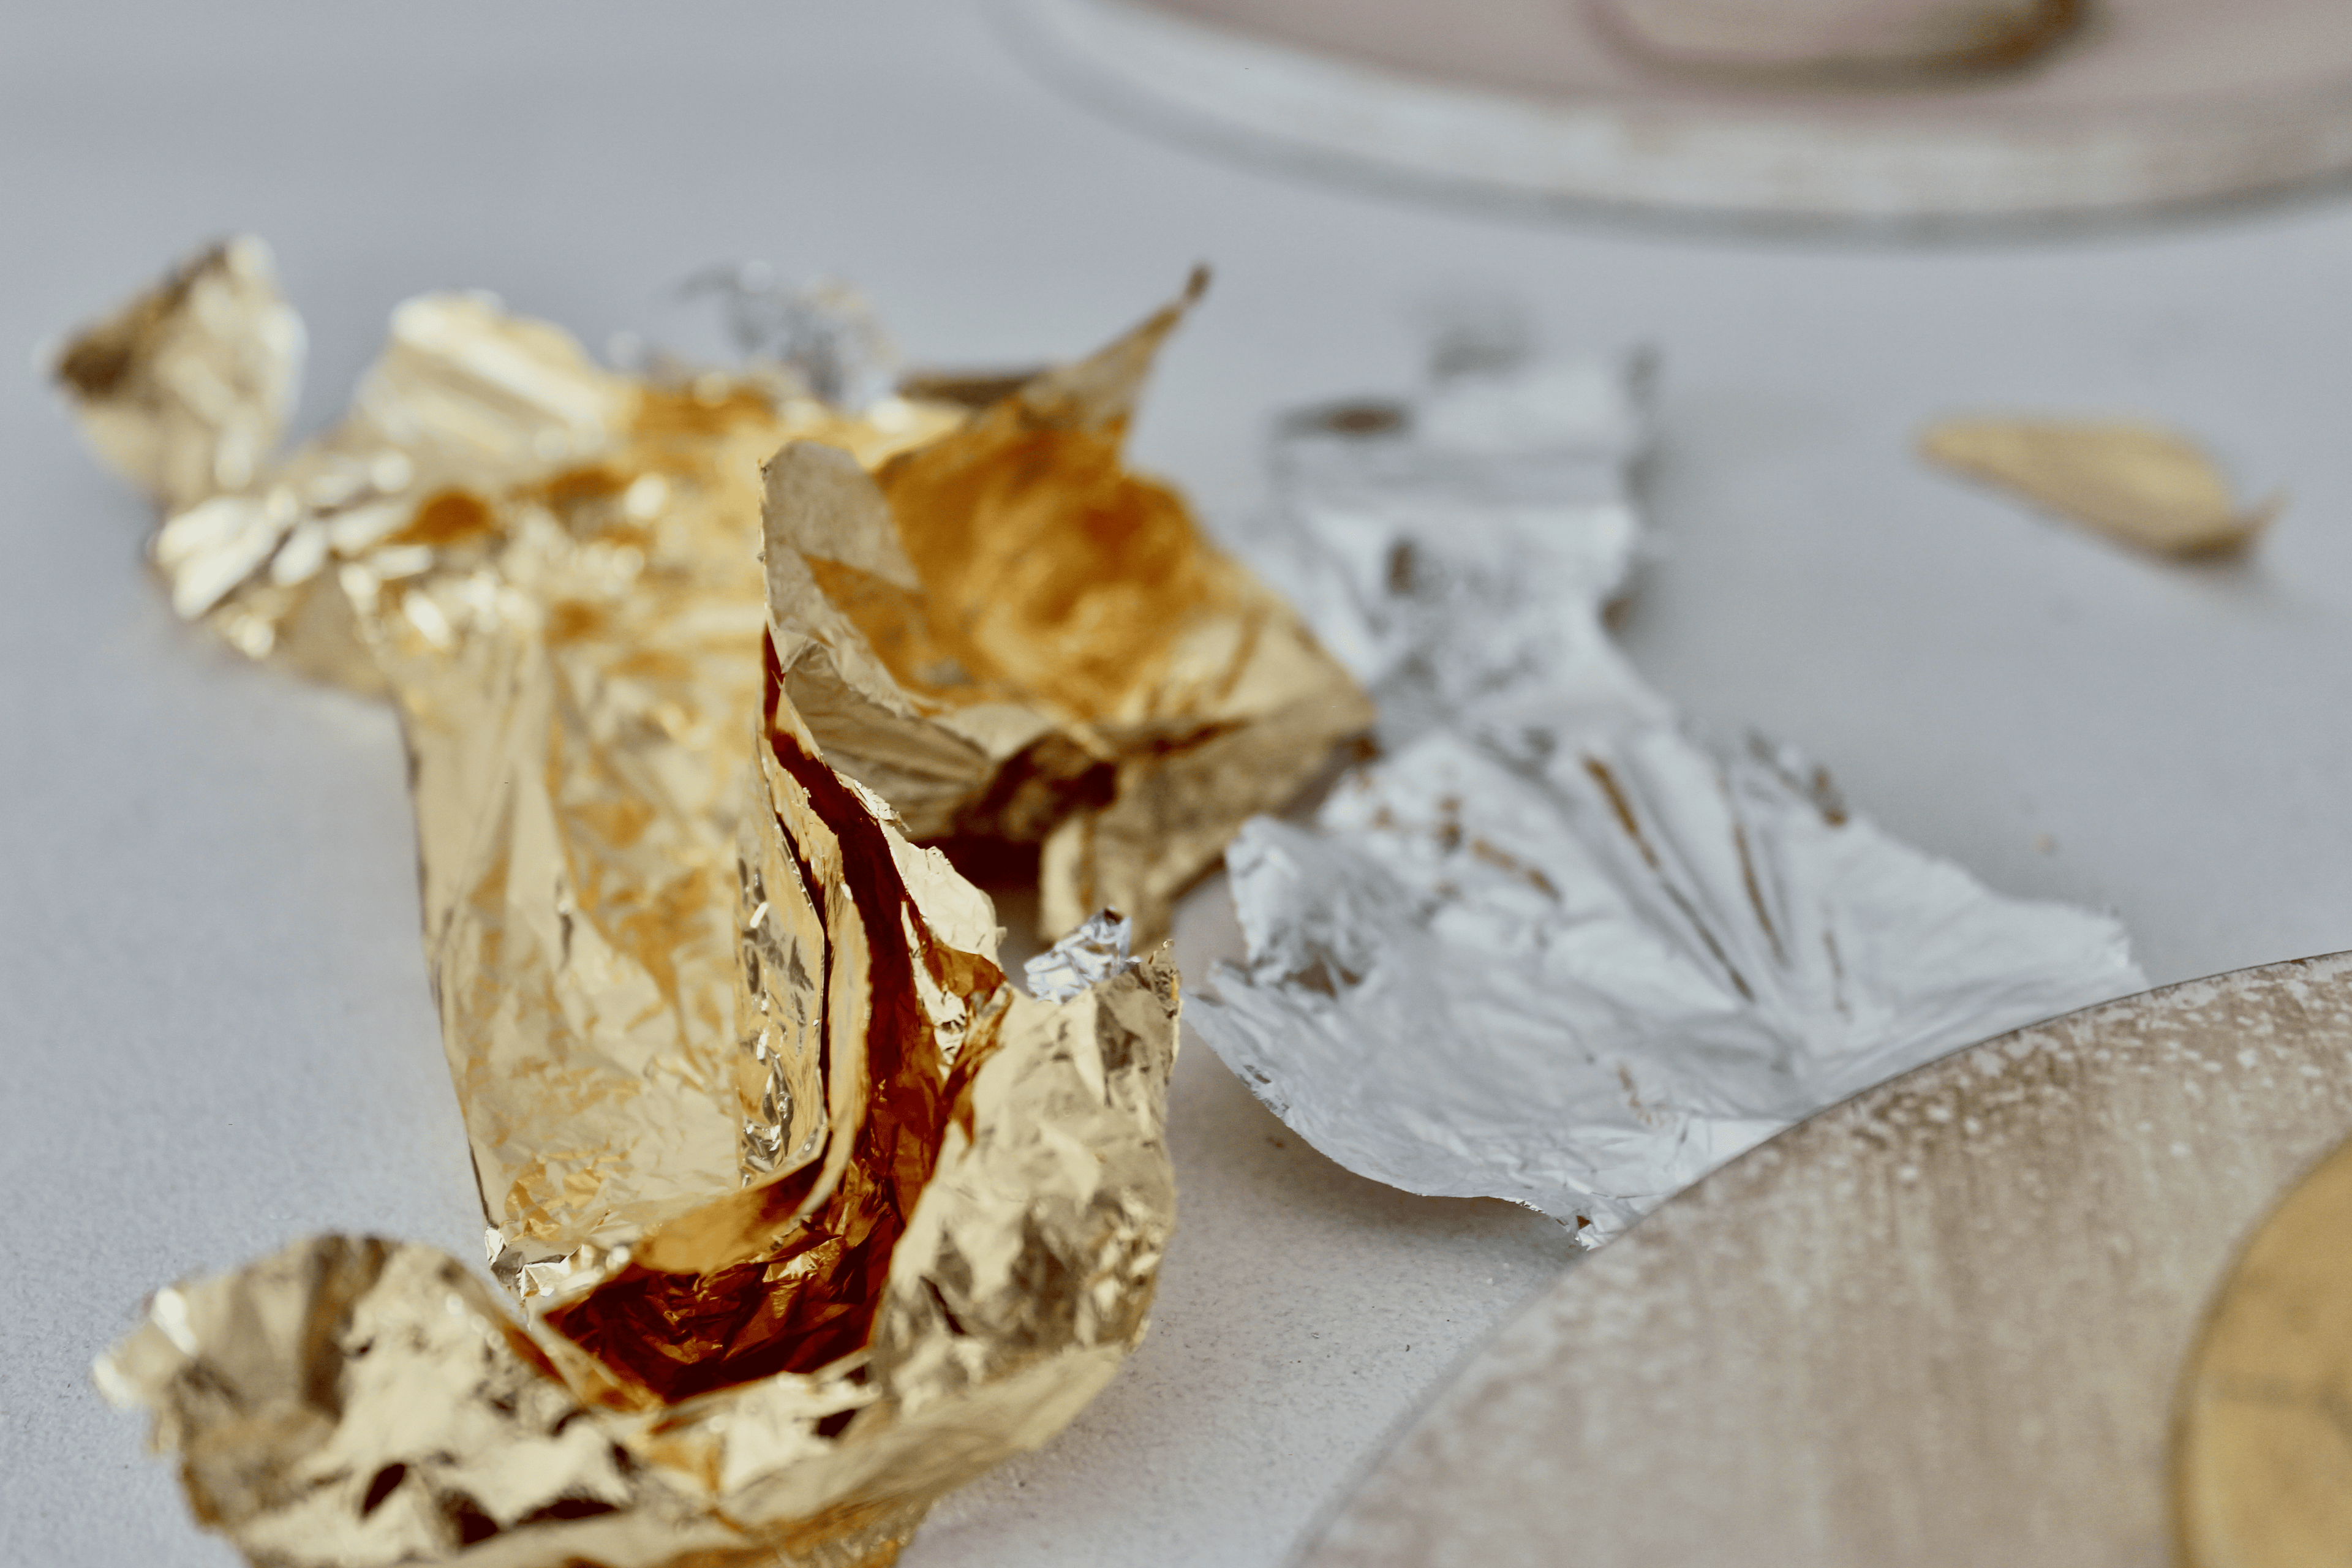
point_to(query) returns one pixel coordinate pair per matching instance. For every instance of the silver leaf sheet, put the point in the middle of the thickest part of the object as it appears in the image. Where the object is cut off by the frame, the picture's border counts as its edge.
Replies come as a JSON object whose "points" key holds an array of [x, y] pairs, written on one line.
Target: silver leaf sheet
{"points": [[1549, 945]]}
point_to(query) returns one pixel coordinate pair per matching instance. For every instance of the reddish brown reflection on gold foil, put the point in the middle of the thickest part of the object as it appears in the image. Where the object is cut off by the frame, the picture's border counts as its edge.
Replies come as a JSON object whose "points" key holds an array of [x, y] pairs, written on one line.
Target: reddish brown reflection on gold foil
{"points": [[809, 1299]]}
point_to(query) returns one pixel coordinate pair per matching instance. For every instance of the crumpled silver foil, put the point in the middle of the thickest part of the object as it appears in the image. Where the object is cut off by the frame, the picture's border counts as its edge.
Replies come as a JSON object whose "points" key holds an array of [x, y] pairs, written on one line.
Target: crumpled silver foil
{"points": [[1551, 946], [1089, 955]]}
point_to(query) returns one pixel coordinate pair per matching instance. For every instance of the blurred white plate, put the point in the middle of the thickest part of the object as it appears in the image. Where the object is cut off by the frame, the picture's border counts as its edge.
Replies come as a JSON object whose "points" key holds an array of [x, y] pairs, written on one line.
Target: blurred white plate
{"points": [[2153, 103]]}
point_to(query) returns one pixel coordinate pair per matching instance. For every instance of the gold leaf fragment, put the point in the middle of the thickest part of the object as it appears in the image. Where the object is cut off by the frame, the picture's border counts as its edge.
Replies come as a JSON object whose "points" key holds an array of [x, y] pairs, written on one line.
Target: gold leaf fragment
{"points": [[187, 388], [2146, 487]]}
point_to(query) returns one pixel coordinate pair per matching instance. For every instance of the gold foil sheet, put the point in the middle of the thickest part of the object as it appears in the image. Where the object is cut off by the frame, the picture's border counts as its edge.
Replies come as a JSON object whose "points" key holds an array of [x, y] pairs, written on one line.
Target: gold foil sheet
{"points": [[975, 1259], [788, 1176], [2149, 488], [1551, 946], [553, 568], [1017, 641]]}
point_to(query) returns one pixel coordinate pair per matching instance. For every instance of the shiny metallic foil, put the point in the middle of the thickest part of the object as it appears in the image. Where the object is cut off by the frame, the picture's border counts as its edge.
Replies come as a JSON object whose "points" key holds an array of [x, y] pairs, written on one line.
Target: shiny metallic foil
{"points": [[1551, 946], [774, 1155], [2148, 487], [1016, 640], [187, 388]]}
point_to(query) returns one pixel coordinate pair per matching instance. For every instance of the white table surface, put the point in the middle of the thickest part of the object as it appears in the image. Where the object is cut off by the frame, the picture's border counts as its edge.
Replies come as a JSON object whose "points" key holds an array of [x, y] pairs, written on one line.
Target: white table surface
{"points": [[214, 1022]]}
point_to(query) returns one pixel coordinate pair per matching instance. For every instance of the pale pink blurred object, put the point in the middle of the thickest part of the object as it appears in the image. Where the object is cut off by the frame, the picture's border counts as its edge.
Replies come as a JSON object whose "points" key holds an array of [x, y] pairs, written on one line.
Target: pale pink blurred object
{"points": [[2131, 107], [1838, 38]]}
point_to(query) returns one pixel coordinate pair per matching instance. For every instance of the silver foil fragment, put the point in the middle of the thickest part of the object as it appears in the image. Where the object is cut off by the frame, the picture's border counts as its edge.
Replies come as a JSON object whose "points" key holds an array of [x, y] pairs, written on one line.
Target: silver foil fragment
{"points": [[1551, 946], [1089, 955]]}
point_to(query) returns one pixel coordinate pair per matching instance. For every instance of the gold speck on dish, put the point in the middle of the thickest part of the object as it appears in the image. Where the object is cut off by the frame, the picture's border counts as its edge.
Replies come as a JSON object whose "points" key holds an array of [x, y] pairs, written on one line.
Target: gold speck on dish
{"points": [[2261, 1452]]}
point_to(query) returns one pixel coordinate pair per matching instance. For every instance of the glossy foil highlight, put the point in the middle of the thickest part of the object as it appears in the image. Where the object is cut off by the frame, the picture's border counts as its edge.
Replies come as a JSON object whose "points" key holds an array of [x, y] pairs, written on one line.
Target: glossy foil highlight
{"points": [[774, 1155]]}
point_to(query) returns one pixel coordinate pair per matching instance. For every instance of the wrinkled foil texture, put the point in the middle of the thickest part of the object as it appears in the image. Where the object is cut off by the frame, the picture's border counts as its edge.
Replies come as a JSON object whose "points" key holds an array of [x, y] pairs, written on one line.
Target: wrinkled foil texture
{"points": [[813, 1215], [1016, 640], [1549, 945]]}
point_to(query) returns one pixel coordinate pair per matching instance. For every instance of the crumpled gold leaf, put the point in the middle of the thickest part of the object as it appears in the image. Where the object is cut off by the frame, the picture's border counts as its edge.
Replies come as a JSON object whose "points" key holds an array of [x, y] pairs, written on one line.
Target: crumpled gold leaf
{"points": [[187, 388], [1023, 644], [776, 1158], [1013, 638], [961, 1288], [554, 570], [2144, 486]]}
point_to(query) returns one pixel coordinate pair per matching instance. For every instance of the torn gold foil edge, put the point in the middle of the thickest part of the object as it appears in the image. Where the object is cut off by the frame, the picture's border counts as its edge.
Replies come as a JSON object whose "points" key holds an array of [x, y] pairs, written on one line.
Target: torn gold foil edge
{"points": [[188, 387], [774, 1153], [2148, 487], [1551, 946]]}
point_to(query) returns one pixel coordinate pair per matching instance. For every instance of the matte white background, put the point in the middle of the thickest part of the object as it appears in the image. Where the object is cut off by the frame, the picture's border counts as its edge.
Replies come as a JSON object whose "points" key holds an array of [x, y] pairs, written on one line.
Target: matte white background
{"points": [[214, 1032]]}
